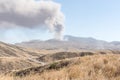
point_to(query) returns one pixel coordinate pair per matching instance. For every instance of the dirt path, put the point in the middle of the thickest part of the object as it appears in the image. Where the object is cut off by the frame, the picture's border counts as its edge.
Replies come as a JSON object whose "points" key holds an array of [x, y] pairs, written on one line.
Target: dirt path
{"points": [[36, 61]]}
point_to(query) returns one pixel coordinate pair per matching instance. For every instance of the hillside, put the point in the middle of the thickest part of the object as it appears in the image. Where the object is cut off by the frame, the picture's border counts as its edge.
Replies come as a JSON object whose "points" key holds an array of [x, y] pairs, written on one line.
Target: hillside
{"points": [[15, 58], [13, 63], [96, 67], [9, 50], [64, 55]]}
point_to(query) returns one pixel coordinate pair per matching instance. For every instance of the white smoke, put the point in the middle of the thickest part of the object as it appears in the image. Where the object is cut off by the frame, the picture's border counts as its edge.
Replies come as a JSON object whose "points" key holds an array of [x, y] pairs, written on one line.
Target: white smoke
{"points": [[32, 14]]}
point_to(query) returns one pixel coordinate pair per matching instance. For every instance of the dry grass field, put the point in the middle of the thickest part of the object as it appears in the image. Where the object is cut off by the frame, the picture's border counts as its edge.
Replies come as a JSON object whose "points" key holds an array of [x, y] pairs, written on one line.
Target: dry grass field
{"points": [[96, 67]]}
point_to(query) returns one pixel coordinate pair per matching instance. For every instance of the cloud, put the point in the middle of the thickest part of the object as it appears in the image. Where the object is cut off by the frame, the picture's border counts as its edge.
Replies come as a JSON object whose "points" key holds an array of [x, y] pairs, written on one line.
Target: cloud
{"points": [[32, 14]]}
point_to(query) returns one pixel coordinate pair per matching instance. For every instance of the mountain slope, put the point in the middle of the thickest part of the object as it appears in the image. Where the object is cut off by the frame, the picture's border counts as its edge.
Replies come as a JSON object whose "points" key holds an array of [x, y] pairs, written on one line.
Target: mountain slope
{"points": [[15, 58]]}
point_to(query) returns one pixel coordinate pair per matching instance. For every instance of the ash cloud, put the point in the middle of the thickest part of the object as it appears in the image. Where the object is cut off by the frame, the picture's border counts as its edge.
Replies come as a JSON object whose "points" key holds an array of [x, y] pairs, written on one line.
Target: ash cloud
{"points": [[32, 14]]}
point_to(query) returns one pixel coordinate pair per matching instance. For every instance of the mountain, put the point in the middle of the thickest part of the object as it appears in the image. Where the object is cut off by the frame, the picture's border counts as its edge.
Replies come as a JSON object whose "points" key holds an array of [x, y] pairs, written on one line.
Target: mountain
{"points": [[70, 42]]}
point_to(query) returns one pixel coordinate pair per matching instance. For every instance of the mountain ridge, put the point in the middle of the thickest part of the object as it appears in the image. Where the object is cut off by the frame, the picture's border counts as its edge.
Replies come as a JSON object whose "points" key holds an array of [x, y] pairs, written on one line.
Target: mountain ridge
{"points": [[70, 42]]}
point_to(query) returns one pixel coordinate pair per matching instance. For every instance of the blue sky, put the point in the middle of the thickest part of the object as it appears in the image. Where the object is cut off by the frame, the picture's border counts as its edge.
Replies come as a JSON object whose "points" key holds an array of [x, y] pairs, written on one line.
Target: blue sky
{"points": [[92, 18], [99, 19]]}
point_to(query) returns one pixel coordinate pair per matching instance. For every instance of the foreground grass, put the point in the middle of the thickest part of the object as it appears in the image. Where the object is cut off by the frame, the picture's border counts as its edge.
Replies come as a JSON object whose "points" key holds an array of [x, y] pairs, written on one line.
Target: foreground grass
{"points": [[97, 67]]}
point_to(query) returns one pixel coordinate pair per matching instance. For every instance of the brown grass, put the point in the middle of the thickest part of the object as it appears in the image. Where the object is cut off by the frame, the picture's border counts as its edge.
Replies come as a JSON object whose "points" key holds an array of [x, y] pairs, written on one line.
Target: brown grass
{"points": [[13, 63], [97, 67]]}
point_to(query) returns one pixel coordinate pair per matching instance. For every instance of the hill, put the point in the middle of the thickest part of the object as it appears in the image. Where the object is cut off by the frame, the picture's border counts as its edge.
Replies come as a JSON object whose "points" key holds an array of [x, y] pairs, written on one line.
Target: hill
{"points": [[15, 58], [9, 50], [96, 67]]}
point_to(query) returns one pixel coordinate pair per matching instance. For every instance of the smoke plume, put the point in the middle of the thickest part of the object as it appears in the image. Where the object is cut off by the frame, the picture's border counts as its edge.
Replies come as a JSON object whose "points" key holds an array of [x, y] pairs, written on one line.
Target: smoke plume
{"points": [[32, 14]]}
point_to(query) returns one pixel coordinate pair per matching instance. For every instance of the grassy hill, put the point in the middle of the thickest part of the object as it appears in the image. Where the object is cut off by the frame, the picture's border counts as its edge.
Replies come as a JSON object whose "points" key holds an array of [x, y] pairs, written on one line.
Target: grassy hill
{"points": [[15, 58], [96, 67], [8, 50]]}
